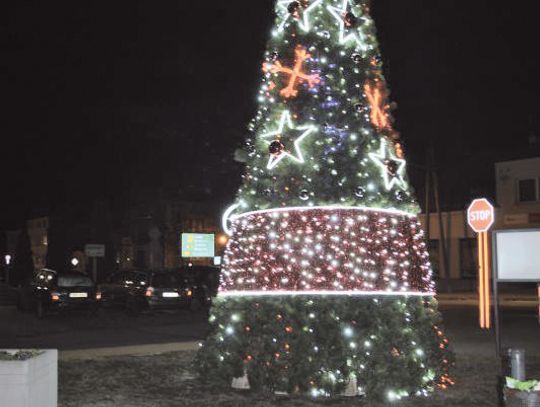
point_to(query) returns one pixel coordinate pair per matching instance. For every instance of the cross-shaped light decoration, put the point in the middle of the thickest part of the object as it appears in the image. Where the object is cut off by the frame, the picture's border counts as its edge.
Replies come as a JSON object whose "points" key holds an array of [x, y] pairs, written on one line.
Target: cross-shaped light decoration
{"points": [[356, 35], [295, 74], [303, 20], [285, 121], [383, 159], [375, 97]]}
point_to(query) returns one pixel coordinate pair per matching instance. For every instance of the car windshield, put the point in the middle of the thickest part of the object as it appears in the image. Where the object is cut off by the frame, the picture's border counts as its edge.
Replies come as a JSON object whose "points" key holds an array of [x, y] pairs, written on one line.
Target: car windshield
{"points": [[74, 281], [165, 280]]}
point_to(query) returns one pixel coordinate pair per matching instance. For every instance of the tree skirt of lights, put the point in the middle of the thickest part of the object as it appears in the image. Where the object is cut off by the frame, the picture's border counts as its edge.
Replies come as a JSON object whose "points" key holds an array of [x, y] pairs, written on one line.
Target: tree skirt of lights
{"points": [[326, 248]]}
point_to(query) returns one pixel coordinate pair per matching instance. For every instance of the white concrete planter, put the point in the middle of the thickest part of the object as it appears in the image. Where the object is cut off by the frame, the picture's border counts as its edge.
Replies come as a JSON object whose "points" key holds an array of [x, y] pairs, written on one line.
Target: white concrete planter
{"points": [[30, 383]]}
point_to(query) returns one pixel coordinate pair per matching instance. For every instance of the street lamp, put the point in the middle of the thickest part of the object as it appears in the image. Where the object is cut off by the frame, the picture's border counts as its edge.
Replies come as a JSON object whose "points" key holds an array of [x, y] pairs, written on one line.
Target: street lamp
{"points": [[74, 262], [7, 258], [222, 240]]}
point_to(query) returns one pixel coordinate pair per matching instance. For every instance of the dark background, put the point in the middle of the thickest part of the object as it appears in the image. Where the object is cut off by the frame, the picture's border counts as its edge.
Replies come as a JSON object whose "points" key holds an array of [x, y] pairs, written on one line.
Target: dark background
{"points": [[122, 100]]}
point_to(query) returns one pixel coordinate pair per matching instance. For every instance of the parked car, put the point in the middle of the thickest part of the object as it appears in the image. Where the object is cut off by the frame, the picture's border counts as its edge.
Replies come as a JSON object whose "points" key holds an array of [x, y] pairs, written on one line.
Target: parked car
{"points": [[119, 286], [52, 292], [139, 291], [204, 282]]}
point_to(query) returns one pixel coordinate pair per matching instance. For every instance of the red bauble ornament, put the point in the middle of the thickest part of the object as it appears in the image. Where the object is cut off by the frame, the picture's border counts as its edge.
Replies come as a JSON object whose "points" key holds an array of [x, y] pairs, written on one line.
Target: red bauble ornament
{"points": [[293, 7], [350, 19], [391, 167], [276, 147]]}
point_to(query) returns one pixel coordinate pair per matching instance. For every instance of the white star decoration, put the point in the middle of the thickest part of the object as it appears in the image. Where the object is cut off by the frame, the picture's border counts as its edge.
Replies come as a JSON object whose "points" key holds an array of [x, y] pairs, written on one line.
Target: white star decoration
{"points": [[356, 34], [383, 155], [285, 120], [303, 21]]}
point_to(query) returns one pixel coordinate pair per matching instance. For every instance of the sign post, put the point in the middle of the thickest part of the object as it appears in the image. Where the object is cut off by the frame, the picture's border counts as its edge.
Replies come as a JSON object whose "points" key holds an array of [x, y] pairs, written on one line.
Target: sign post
{"points": [[480, 217], [94, 251]]}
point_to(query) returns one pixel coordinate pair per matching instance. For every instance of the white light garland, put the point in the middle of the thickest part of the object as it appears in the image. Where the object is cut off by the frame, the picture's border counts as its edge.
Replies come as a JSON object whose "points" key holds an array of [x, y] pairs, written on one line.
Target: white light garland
{"points": [[324, 207], [352, 293], [226, 216]]}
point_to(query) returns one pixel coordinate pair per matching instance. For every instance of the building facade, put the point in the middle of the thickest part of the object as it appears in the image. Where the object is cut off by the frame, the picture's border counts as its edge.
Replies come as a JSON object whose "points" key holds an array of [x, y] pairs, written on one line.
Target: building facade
{"points": [[38, 233], [151, 234], [452, 243], [518, 193]]}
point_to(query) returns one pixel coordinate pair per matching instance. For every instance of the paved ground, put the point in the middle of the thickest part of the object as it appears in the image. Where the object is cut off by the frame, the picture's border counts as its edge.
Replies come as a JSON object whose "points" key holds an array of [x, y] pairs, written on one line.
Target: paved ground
{"points": [[152, 349], [140, 374], [169, 380], [113, 328]]}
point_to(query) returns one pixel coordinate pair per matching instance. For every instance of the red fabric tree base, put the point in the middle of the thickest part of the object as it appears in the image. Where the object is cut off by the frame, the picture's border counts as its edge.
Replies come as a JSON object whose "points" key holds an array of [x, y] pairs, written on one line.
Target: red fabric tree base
{"points": [[350, 250]]}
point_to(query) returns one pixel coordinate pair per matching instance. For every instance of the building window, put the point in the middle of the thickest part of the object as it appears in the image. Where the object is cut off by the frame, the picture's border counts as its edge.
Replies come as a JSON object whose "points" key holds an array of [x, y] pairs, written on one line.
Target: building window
{"points": [[140, 259], [468, 257], [527, 190]]}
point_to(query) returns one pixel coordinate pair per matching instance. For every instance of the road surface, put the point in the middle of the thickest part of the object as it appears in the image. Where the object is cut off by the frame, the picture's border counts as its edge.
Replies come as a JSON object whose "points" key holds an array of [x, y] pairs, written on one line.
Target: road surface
{"points": [[520, 328]]}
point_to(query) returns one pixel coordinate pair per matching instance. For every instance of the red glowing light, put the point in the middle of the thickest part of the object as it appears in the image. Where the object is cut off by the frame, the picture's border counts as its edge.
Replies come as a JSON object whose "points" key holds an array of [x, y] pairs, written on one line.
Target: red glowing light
{"points": [[295, 74], [375, 96]]}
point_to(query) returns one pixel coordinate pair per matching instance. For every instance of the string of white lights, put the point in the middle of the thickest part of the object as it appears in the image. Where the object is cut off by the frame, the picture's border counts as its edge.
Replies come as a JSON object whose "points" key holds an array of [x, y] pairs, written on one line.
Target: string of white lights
{"points": [[350, 293], [303, 208]]}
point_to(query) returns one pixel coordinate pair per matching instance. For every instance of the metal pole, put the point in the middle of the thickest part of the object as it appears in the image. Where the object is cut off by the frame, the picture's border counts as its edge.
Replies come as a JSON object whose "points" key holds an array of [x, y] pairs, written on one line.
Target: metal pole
{"points": [[517, 363], [481, 281], [497, 317], [442, 236], [496, 299], [427, 192], [94, 268], [487, 294], [538, 292]]}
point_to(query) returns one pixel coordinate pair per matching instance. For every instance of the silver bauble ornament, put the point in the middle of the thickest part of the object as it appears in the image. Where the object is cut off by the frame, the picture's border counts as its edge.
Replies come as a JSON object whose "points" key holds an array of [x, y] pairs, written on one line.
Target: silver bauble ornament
{"points": [[360, 192]]}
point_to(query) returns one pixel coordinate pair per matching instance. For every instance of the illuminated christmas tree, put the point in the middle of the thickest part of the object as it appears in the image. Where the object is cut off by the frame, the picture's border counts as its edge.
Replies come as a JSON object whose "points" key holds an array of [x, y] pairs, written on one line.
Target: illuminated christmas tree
{"points": [[326, 283]]}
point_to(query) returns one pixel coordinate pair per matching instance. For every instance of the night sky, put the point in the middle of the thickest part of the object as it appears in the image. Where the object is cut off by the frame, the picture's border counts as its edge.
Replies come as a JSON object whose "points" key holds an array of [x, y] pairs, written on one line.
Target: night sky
{"points": [[117, 100]]}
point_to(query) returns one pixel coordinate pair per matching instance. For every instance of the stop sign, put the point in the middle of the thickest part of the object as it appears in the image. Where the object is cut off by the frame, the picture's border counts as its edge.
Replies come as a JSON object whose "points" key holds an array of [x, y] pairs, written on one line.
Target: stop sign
{"points": [[480, 215]]}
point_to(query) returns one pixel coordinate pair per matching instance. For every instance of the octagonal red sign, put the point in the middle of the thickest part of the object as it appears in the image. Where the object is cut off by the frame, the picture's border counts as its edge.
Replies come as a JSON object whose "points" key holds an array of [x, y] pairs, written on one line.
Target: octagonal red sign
{"points": [[480, 215]]}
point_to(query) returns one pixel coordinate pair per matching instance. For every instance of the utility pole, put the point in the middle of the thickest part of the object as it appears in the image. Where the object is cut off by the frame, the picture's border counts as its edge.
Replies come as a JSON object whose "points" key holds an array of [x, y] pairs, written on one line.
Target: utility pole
{"points": [[432, 187], [427, 201]]}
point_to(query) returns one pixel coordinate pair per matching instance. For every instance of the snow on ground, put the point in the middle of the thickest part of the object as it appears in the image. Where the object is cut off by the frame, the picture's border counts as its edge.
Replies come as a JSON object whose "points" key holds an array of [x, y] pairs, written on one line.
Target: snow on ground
{"points": [[167, 380]]}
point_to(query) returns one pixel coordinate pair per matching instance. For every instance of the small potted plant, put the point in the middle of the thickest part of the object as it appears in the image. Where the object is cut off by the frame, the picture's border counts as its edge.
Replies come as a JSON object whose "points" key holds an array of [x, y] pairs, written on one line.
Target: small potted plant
{"points": [[29, 377], [519, 393]]}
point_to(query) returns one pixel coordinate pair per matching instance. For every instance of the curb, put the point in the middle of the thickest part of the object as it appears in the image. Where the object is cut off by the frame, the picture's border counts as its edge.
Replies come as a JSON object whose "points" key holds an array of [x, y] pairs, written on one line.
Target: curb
{"points": [[135, 350], [502, 303]]}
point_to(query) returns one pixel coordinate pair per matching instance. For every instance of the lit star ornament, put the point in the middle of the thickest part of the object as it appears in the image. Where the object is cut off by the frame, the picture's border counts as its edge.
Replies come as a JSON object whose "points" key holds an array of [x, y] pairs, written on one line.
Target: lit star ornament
{"points": [[356, 35], [302, 20], [286, 122], [382, 158]]}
